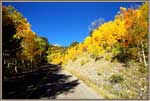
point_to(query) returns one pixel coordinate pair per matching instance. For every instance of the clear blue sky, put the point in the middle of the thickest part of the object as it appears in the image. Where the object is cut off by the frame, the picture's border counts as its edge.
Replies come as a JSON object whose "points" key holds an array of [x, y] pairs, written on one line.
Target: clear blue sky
{"points": [[65, 22]]}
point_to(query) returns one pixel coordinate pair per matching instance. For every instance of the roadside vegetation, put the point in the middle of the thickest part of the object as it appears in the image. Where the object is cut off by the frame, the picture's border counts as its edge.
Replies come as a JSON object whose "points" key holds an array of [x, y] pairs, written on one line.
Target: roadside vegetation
{"points": [[113, 59], [23, 50], [112, 80]]}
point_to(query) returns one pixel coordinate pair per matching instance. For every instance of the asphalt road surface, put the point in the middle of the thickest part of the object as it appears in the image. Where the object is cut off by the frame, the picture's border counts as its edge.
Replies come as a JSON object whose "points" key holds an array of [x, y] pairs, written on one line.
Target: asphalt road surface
{"points": [[49, 82]]}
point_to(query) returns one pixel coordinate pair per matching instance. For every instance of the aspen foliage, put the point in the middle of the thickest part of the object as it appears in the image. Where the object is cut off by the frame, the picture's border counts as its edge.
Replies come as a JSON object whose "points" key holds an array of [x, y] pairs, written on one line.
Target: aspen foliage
{"points": [[122, 37]]}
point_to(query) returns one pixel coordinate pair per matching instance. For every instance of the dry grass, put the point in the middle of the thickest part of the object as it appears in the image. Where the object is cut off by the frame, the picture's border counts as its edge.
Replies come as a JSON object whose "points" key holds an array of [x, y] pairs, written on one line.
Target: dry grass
{"points": [[97, 74], [91, 84]]}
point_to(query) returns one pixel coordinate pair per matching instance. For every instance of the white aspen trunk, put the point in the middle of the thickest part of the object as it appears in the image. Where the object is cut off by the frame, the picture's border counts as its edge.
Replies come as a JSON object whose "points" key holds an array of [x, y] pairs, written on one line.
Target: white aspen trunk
{"points": [[140, 59], [143, 53], [16, 69], [23, 63], [15, 65], [8, 65]]}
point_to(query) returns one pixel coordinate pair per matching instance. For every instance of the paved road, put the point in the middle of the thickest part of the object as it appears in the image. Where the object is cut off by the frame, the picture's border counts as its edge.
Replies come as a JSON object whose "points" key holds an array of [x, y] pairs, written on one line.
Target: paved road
{"points": [[49, 82]]}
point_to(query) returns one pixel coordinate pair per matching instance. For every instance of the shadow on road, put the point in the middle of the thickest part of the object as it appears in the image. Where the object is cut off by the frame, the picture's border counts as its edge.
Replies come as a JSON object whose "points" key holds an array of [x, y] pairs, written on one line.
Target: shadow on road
{"points": [[47, 82]]}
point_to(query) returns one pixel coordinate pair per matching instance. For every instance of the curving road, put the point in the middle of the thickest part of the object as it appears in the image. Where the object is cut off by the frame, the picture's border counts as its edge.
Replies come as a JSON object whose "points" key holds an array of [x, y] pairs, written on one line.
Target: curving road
{"points": [[80, 91], [49, 82]]}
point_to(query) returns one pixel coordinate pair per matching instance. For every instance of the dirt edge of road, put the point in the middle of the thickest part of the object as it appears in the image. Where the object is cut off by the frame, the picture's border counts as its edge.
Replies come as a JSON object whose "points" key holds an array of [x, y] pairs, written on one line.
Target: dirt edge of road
{"points": [[101, 92]]}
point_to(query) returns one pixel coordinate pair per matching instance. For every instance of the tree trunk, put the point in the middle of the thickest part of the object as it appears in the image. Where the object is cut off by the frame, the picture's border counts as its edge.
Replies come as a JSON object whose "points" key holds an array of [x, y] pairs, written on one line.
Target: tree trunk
{"points": [[31, 64], [16, 69], [140, 59], [143, 53], [15, 65]]}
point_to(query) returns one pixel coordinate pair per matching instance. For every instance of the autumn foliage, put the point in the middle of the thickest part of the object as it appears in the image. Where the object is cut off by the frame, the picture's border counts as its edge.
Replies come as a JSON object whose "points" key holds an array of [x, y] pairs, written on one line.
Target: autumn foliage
{"points": [[124, 40], [125, 37], [23, 50]]}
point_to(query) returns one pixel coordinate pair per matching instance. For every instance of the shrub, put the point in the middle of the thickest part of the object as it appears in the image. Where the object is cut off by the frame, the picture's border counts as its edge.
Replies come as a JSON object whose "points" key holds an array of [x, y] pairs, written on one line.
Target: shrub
{"points": [[108, 58], [84, 62], [74, 59], [116, 78], [142, 69]]}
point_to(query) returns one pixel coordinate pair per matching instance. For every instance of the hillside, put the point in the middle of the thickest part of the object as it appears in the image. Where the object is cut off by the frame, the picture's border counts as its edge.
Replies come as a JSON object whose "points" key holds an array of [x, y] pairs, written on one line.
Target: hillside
{"points": [[113, 80], [112, 59]]}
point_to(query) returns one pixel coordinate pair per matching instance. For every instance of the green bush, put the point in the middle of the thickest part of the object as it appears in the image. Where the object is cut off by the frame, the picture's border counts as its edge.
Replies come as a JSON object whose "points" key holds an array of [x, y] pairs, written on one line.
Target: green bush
{"points": [[116, 78], [74, 59], [82, 62], [115, 60], [108, 58], [142, 69]]}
